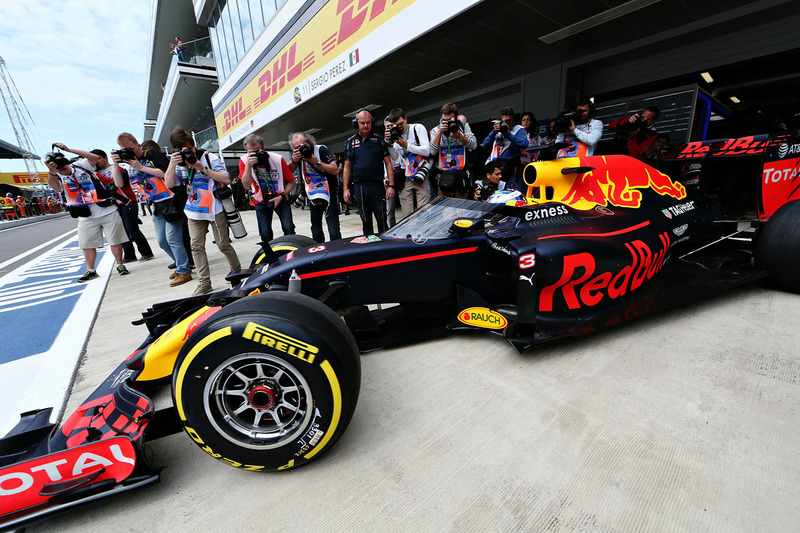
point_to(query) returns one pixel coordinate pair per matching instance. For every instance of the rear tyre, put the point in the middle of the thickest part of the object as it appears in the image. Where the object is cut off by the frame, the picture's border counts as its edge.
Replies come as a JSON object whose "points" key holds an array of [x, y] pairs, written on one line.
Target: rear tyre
{"points": [[282, 246], [778, 247], [269, 383]]}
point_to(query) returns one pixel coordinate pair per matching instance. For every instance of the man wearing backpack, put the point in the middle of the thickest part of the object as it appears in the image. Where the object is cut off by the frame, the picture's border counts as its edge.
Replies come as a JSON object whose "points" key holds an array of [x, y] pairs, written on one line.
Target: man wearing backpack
{"points": [[87, 201]]}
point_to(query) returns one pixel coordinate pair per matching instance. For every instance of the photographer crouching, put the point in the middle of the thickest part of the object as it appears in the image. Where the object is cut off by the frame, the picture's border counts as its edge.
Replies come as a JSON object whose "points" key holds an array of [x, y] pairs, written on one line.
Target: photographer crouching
{"points": [[89, 202], [578, 127], [319, 172], [491, 183]]}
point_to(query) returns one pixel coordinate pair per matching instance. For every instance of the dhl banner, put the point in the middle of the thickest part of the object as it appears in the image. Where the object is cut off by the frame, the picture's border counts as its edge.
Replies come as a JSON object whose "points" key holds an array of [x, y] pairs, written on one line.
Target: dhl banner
{"points": [[340, 40]]}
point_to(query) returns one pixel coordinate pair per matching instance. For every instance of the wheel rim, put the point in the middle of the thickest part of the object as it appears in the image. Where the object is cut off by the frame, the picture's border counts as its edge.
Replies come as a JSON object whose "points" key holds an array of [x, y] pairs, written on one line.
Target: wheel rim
{"points": [[258, 401]]}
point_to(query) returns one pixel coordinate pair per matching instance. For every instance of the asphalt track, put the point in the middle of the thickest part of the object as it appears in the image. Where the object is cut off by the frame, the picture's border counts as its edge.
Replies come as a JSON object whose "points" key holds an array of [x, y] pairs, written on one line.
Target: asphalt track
{"points": [[682, 422], [45, 318]]}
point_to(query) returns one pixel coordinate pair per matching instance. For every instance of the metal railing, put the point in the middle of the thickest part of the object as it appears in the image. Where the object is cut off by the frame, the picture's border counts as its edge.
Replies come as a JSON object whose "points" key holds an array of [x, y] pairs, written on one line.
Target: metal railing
{"points": [[207, 139], [198, 52]]}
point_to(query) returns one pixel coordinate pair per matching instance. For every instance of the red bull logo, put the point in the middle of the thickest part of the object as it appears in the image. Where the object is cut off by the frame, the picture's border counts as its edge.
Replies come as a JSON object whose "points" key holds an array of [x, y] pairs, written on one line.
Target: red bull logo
{"points": [[614, 181], [579, 286]]}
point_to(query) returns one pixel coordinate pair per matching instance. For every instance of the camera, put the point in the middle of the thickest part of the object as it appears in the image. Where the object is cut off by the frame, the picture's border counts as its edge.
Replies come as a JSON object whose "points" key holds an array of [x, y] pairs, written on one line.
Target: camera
{"points": [[188, 157], [305, 151], [57, 158], [639, 124], [262, 158], [564, 121], [503, 127], [484, 192], [451, 126], [395, 132], [125, 154]]}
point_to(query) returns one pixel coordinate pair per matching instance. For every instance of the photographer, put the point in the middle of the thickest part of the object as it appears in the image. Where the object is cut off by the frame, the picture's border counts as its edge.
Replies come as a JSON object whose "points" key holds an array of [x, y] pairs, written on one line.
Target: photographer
{"points": [[128, 209], [579, 128], [270, 180], [145, 170], [319, 173], [409, 145], [203, 173], [451, 139], [87, 201], [635, 133], [506, 142], [491, 183]]}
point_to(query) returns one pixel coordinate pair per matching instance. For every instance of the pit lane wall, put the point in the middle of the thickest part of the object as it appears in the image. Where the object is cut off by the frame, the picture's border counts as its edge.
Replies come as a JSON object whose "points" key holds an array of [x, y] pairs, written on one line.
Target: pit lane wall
{"points": [[340, 40]]}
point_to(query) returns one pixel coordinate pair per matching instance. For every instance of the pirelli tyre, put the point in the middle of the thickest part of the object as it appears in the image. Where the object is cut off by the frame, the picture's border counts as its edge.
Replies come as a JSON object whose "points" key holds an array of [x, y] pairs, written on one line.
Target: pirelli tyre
{"points": [[269, 383], [282, 246], [778, 247]]}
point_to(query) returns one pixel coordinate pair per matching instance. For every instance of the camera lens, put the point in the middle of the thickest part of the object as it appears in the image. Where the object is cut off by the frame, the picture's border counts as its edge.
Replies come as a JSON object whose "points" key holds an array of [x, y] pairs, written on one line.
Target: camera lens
{"points": [[395, 132], [305, 151]]}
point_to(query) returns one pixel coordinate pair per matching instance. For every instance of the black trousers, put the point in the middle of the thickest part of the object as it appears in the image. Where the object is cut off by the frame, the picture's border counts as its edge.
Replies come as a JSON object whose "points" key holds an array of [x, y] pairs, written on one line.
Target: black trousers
{"points": [[370, 197], [130, 219]]}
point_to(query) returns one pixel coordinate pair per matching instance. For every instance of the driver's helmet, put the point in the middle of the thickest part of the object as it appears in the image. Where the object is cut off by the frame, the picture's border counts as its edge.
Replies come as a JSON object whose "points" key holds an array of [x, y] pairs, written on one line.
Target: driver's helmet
{"points": [[506, 197]]}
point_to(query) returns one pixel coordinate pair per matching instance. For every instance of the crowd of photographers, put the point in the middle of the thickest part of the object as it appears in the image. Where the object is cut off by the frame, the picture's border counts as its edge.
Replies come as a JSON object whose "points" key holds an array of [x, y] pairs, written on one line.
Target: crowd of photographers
{"points": [[407, 164]]}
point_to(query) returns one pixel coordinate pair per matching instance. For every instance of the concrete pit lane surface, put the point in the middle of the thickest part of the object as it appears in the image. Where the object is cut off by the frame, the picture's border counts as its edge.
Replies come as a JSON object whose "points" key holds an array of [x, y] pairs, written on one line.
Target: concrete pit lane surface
{"points": [[684, 421]]}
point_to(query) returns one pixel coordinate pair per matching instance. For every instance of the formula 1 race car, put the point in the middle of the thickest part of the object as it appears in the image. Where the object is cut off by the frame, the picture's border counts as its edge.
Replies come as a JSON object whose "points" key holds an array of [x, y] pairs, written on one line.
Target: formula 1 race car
{"points": [[265, 376]]}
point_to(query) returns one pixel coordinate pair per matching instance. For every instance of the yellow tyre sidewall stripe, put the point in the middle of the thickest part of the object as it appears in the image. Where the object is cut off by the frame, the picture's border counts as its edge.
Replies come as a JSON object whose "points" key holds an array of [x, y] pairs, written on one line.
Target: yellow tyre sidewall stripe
{"points": [[336, 394], [224, 332]]}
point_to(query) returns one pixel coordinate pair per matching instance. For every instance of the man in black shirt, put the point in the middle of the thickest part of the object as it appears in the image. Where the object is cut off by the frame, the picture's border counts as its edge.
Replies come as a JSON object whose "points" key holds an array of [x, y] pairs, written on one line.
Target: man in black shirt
{"points": [[365, 158]]}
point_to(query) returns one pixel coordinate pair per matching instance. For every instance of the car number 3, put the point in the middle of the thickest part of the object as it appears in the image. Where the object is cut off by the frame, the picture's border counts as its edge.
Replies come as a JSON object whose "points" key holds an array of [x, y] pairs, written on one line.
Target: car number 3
{"points": [[527, 261]]}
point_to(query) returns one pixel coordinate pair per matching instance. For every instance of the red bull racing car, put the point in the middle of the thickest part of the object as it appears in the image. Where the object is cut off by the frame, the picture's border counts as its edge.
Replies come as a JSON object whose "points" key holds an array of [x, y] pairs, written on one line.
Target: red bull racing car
{"points": [[265, 376]]}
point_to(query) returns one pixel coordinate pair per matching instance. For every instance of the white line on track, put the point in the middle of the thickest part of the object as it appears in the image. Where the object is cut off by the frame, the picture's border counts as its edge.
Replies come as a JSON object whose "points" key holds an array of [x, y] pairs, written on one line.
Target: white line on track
{"points": [[36, 249]]}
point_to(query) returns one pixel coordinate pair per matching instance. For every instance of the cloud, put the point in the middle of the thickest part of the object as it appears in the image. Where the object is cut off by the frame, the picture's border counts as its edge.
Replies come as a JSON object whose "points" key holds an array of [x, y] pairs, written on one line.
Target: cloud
{"points": [[79, 67]]}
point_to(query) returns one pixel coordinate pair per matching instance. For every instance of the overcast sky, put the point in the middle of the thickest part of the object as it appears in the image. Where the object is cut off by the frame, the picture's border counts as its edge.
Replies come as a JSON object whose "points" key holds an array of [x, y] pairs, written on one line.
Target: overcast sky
{"points": [[80, 69]]}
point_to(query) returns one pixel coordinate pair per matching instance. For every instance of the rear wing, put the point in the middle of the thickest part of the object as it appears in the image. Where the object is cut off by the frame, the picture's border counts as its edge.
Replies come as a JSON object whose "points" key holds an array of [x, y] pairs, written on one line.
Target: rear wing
{"points": [[777, 156]]}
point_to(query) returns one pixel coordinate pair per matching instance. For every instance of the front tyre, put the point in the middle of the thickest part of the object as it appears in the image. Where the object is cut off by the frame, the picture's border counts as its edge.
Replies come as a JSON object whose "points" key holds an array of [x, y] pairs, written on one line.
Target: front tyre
{"points": [[269, 383], [282, 246]]}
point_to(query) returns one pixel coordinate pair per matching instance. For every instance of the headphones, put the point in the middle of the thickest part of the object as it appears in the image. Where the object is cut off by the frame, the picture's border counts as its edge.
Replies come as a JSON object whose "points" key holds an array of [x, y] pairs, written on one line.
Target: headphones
{"points": [[355, 119]]}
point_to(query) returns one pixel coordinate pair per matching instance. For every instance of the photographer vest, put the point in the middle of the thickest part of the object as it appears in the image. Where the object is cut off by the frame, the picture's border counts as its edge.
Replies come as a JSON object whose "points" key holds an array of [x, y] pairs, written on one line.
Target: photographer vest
{"points": [[413, 161], [500, 146], [152, 188], [315, 179], [200, 203], [579, 148], [267, 182]]}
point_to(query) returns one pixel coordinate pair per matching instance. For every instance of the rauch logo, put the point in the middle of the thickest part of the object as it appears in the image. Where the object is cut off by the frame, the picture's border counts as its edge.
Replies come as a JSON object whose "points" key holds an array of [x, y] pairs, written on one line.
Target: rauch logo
{"points": [[483, 318]]}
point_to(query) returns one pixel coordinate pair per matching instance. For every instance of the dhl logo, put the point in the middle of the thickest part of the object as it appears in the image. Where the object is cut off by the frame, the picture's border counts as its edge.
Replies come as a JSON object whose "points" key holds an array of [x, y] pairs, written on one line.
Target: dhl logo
{"points": [[279, 341], [482, 317], [611, 180]]}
